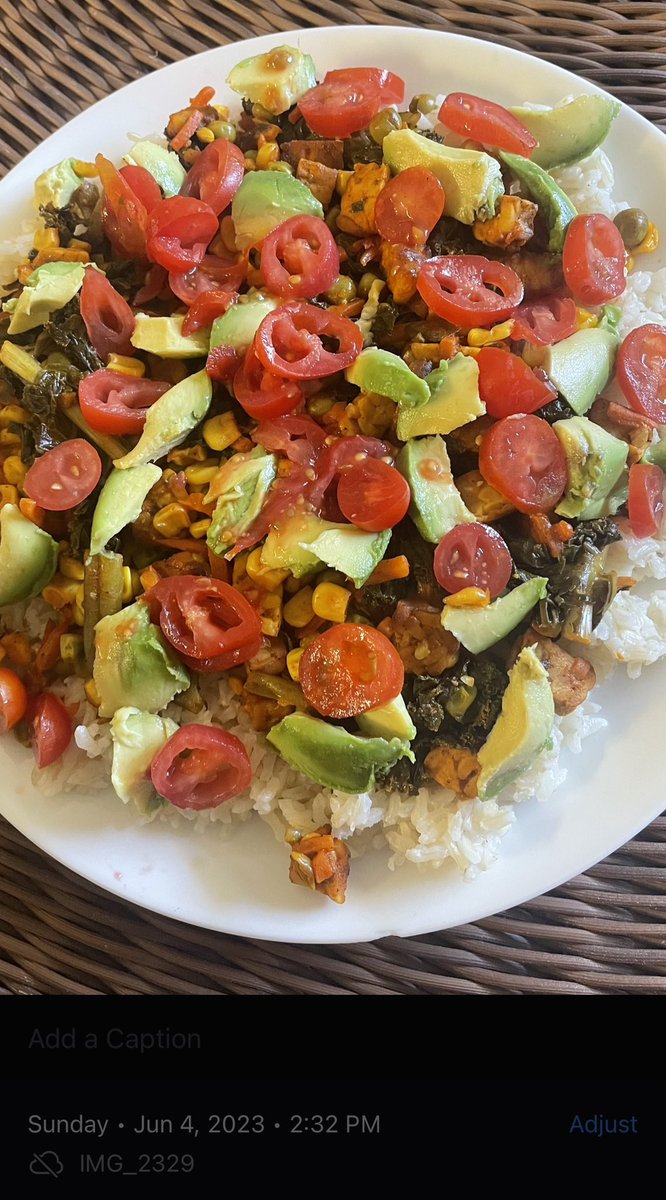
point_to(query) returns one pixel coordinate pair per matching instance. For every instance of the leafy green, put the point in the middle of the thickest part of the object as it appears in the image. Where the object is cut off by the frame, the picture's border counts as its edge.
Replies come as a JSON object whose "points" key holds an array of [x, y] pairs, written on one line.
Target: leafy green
{"points": [[451, 237], [361, 148], [67, 331], [559, 409]]}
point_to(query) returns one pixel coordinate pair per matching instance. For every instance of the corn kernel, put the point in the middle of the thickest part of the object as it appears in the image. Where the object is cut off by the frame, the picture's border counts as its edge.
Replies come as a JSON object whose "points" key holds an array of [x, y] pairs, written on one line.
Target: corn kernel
{"points": [[8, 494], [220, 432], [650, 241], [60, 591], [239, 569], [86, 170], [268, 153], [148, 578], [171, 520], [91, 692], [471, 351], [32, 511], [299, 611], [17, 648], [585, 319], [13, 414], [14, 470], [71, 568], [203, 474], [267, 578], [78, 244], [485, 337], [46, 239], [128, 590], [342, 181], [294, 663], [270, 612], [9, 438], [126, 366], [199, 529], [330, 601], [79, 615], [284, 167], [469, 597], [205, 135], [71, 647]]}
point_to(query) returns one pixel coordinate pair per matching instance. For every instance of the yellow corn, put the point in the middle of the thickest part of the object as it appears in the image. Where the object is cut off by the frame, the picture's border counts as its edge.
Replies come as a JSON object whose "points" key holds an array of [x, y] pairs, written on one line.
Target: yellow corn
{"points": [[203, 474], [92, 693], [330, 601], [13, 414], [148, 578], [187, 456], [299, 611], [8, 438], [46, 239], [8, 494], [269, 153], [470, 351], [126, 366], [71, 568], [86, 170], [14, 470], [485, 337], [220, 432], [199, 529], [78, 244], [239, 569], [469, 597], [71, 647], [284, 167], [650, 241], [270, 612], [128, 588], [17, 648], [222, 111], [342, 181], [205, 135], [585, 319], [171, 520], [270, 579], [294, 663]]}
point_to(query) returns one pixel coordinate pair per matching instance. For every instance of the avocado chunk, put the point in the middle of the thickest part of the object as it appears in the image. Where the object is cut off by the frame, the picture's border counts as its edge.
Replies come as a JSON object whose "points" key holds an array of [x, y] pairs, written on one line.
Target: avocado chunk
{"points": [[453, 400], [479, 628], [170, 419], [472, 179], [164, 166], [386, 374], [523, 728], [570, 131], [655, 453], [238, 325], [333, 757], [388, 721], [264, 200], [554, 204], [276, 79], [57, 185], [48, 289], [287, 546], [304, 543], [436, 505], [137, 737], [163, 336], [28, 557], [134, 665], [581, 365], [241, 486], [120, 502], [595, 462]]}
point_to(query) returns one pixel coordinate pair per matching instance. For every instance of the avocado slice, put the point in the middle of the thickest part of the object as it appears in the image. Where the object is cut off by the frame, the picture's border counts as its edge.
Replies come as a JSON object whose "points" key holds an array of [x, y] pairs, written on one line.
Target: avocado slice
{"points": [[120, 502], [479, 628], [472, 179], [581, 365], [264, 200], [388, 721], [238, 325], [134, 665], [436, 505], [163, 336], [276, 79], [305, 542], [57, 185], [453, 400], [47, 289], [164, 166], [655, 453], [333, 757], [170, 419], [241, 486], [387, 374], [28, 557], [595, 462], [287, 546], [553, 202], [137, 737], [523, 728], [570, 131]]}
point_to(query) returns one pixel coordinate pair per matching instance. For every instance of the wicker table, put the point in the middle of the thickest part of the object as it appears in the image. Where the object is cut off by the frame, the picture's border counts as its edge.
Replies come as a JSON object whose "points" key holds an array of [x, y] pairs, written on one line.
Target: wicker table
{"points": [[601, 933]]}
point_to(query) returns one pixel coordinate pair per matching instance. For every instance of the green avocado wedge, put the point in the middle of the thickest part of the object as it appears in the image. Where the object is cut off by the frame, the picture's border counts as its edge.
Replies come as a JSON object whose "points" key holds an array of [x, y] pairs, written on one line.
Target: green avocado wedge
{"points": [[28, 557], [170, 419], [523, 728], [453, 401], [570, 131], [553, 202], [332, 756], [479, 628], [134, 664], [120, 502]]}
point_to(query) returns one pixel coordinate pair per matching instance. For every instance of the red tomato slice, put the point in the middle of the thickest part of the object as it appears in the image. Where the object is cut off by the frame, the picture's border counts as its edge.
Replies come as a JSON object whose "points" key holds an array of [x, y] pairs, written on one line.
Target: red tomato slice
{"points": [[338, 456], [300, 259], [213, 274], [115, 403], [211, 624], [200, 767], [409, 207], [507, 385], [373, 495], [641, 371], [108, 318], [64, 476], [145, 187], [124, 217], [593, 259], [457, 287], [347, 101], [646, 499], [51, 729], [523, 459], [473, 555], [222, 363], [263, 395], [350, 669], [391, 86], [178, 232], [486, 122], [206, 309], [544, 322], [300, 439], [13, 699], [288, 342], [215, 175]]}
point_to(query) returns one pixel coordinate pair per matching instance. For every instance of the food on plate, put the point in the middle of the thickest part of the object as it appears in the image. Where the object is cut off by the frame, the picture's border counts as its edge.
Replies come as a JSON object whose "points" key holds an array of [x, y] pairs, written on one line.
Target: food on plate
{"points": [[323, 430]]}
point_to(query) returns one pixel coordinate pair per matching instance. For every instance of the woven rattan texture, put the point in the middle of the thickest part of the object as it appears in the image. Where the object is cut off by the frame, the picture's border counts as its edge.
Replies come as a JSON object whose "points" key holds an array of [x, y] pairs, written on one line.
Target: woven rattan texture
{"points": [[602, 933]]}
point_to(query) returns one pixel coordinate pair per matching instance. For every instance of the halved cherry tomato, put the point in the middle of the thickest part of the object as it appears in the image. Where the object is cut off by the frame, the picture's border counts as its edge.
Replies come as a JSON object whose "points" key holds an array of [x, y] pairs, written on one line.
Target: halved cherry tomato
{"points": [[544, 322], [262, 394], [51, 728], [288, 342], [373, 495], [409, 207], [200, 767], [155, 286], [211, 624], [108, 318], [523, 459], [142, 183], [124, 217], [641, 371], [473, 555], [215, 175], [391, 86], [206, 309], [507, 385], [348, 99], [486, 122], [64, 476], [458, 288], [115, 403], [213, 274], [593, 259], [13, 699], [646, 499], [350, 669], [223, 363], [179, 231], [335, 457], [300, 259]]}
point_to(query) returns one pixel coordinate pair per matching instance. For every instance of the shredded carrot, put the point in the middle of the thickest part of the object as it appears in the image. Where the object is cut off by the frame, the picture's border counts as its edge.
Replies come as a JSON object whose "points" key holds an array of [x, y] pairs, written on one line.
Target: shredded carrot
{"points": [[390, 568], [59, 254], [49, 652], [353, 308], [202, 98], [32, 511], [186, 131], [448, 346]]}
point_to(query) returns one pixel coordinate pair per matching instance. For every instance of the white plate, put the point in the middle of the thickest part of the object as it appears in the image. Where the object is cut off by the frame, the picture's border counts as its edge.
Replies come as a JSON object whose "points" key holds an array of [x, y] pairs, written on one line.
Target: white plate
{"points": [[240, 885]]}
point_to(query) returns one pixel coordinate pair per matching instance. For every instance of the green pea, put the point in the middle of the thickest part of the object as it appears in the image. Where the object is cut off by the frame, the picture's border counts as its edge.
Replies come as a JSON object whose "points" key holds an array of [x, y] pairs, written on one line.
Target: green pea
{"points": [[384, 123], [633, 225], [341, 291], [423, 104], [365, 283], [223, 129]]}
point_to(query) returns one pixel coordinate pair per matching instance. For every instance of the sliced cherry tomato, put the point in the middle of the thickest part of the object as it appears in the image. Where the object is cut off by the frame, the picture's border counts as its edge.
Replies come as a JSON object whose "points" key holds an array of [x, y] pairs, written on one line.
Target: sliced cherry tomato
{"points": [[544, 322], [486, 122], [507, 385], [409, 207], [391, 86], [348, 99], [222, 363], [213, 274], [288, 342], [523, 459], [215, 175], [51, 728], [373, 495], [335, 457], [473, 555], [458, 288], [641, 371], [108, 318], [300, 259], [646, 499], [145, 187], [124, 217], [350, 669], [179, 231], [13, 699], [206, 309], [593, 259], [115, 403], [211, 624], [200, 767], [262, 394], [64, 476]]}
